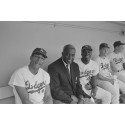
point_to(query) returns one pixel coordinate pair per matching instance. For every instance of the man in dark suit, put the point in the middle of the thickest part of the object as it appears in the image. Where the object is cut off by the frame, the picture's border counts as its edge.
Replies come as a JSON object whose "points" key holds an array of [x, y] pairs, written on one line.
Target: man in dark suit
{"points": [[64, 79]]}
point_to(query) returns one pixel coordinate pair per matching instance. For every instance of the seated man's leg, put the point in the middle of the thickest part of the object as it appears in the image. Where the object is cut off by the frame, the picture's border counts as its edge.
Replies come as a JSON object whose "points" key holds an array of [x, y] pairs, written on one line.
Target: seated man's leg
{"points": [[122, 90], [121, 86], [60, 102], [104, 95], [113, 89], [122, 99], [121, 76], [86, 100]]}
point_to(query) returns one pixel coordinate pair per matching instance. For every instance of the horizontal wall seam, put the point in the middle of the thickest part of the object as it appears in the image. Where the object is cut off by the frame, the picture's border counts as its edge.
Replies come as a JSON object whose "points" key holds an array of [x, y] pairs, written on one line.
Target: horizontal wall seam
{"points": [[55, 24]]}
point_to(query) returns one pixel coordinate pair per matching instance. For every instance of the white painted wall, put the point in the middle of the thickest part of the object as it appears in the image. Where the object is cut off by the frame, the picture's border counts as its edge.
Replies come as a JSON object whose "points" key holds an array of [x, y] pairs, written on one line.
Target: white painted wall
{"points": [[18, 39]]}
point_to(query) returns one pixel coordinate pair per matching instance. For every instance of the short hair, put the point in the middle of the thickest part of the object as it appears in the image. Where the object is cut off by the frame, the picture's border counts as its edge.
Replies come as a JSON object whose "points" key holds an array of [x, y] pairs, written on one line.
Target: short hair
{"points": [[86, 47], [67, 47], [103, 45], [39, 51], [118, 43]]}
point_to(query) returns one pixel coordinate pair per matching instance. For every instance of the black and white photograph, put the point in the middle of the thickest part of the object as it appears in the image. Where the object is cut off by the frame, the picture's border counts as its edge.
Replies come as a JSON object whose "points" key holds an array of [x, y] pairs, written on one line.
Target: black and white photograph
{"points": [[57, 53], [62, 62]]}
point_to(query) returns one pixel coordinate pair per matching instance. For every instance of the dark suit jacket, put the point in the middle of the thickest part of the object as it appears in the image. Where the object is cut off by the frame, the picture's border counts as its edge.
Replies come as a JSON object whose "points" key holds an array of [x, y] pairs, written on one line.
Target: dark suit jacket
{"points": [[62, 87]]}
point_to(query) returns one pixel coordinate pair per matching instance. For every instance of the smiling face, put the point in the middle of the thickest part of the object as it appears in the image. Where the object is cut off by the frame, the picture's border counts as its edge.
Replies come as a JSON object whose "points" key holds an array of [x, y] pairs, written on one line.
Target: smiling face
{"points": [[86, 55], [68, 54], [36, 61], [120, 48], [104, 51]]}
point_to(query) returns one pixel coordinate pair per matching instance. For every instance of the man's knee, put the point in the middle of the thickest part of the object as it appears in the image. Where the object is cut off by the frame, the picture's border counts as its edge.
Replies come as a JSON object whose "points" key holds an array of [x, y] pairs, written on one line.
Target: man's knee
{"points": [[106, 97]]}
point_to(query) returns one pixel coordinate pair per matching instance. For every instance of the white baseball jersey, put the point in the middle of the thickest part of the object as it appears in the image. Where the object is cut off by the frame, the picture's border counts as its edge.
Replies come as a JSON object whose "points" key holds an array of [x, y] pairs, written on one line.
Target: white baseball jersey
{"points": [[87, 71], [104, 66], [117, 61], [34, 84]]}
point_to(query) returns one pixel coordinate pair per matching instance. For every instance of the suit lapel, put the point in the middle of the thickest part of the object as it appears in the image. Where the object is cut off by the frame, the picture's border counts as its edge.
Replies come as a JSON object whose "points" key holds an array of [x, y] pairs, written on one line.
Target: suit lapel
{"points": [[73, 78], [72, 74], [65, 71]]}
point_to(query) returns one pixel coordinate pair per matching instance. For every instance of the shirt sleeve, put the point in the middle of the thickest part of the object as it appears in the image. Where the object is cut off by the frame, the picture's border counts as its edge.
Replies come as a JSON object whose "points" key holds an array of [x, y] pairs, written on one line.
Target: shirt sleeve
{"points": [[17, 79], [96, 69], [123, 58], [47, 78], [110, 57]]}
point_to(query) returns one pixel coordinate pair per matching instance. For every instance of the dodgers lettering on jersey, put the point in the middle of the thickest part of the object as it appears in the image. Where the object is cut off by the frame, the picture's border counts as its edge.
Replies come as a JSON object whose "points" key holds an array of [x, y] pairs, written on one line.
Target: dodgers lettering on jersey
{"points": [[118, 60], [36, 88], [86, 75], [105, 66]]}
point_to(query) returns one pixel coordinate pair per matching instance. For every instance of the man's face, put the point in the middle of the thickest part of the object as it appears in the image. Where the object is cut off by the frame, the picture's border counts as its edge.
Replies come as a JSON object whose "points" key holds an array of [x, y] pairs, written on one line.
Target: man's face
{"points": [[69, 56], [120, 48], [105, 51], [37, 61], [86, 55]]}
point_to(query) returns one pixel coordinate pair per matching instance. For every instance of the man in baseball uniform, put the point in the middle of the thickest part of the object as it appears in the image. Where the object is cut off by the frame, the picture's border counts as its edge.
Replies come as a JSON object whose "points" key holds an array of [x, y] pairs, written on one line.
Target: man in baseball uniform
{"points": [[88, 72], [31, 83], [105, 79], [117, 61]]}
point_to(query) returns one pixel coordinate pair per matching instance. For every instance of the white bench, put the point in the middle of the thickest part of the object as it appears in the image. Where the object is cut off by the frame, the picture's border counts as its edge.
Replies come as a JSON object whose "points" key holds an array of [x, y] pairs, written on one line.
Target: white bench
{"points": [[6, 95]]}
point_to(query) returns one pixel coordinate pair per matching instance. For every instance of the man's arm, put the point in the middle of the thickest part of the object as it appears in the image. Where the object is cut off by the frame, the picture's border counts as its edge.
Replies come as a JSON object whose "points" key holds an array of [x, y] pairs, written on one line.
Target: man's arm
{"points": [[79, 91], [47, 96], [113, 68], [93, 85], [111, 80], [93, 82], [24, 96], [83, 97], [55, 86]]}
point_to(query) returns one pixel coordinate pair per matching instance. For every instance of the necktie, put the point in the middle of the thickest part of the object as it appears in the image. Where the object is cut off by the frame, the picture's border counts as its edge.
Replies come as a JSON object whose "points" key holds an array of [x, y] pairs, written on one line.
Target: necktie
{"points": [[68, 71]]}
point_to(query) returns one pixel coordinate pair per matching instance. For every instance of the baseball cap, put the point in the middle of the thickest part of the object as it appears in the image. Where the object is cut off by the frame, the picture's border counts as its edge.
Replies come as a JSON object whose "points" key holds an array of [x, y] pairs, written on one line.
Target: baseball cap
{"points": [[86, 47], [118, 43], [40, 51], [103, 45]]}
